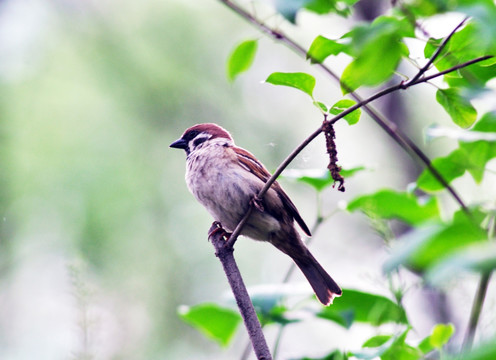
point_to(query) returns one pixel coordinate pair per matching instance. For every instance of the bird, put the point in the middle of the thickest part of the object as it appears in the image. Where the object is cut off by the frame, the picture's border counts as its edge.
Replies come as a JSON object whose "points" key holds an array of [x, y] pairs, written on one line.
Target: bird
{"points": [[226, 178]]}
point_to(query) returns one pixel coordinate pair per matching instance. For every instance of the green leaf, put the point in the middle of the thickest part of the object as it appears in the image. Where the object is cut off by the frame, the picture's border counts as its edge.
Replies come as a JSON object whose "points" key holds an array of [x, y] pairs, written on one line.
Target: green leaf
{"points": [[440, 335], [323, 47], [471, 156], [390, 204], [394, 348], [340, 7], [478, 153], [267, 301], [460, 109], [346, 173], [241, 58], [450, 167], [425, 246], [319, 179], [300, 81], [431, 47], [478, 257], [353, 117], [377, 50], [485, 351], [289, 8], [482, 14], [320, 106], [424, 8], [335, 355], [373, 352], [363, 307], [474, 40], [400, 350], [375, 64], [468, 136], [377, 341], [215, 322]]}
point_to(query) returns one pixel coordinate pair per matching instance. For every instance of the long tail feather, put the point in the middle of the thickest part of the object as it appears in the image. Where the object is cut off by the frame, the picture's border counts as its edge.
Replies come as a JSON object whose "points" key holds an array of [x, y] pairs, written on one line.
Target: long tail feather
{"points": [[324, 286]]}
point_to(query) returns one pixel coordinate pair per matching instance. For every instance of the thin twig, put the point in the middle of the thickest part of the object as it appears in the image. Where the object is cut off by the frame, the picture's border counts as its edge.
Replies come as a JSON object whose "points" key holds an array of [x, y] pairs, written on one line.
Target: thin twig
{"points": [[454, 68], [437, 53], [476, 310], [280, 331], [250, 319], [479, 297]]}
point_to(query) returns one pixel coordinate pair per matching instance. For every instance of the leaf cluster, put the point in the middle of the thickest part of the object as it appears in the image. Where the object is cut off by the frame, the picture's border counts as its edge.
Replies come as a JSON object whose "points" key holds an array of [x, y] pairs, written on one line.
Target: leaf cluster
{"points": [[436, 246]]}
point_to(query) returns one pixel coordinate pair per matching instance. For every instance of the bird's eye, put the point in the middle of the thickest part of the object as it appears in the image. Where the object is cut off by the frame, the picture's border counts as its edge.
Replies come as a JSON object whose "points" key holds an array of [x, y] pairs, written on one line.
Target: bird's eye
{"points": [[191, 135]]}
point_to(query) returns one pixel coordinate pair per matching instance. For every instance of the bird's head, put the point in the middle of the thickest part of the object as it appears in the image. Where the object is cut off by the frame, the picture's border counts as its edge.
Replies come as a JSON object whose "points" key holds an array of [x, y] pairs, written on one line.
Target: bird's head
{"points": [[200, 135]]}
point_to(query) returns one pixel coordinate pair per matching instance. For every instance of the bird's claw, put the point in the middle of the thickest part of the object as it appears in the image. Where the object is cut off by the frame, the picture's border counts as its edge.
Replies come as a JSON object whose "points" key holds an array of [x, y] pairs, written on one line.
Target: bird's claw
{"points": [[256, 202], [217, 230]]}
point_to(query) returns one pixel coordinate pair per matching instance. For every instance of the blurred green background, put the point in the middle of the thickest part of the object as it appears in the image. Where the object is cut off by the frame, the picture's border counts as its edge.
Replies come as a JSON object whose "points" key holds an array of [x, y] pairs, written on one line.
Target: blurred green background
{"points": [[100, 241]]}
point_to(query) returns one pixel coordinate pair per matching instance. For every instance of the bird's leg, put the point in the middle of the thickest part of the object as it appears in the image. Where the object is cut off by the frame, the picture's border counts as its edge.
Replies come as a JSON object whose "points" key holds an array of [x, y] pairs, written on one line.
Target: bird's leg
{"points": [[256, 202], [217, 230]]}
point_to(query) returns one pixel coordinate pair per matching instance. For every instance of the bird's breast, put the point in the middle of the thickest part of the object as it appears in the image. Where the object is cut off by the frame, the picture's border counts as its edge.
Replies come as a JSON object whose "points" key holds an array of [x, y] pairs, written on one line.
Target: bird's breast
{"points": [[225, 189]]}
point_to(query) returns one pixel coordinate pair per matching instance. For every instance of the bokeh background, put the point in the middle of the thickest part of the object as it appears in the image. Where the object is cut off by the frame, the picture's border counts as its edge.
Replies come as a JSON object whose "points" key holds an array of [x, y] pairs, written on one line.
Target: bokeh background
{"points": [[100, 241]]}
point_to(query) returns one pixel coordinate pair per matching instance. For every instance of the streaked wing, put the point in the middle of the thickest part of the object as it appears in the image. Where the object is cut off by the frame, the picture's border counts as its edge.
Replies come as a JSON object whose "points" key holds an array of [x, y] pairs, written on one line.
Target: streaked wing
{"points": [[250, 163]]}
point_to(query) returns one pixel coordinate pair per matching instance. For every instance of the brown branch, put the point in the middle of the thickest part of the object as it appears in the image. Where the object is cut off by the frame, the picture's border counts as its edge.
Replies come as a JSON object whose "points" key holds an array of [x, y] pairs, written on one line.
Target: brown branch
{"points": [[250, 319]]}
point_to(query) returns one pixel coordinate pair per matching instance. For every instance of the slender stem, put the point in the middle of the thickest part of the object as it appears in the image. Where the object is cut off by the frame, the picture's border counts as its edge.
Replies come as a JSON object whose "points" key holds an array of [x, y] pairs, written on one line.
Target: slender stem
{"points": [[246, 351], [451, 69], [437, 53], [479, 296], [476, 310], [278, 341]]}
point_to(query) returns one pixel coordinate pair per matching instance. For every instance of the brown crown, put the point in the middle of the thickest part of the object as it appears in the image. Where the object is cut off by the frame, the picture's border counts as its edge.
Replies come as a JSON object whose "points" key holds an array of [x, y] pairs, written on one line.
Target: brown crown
{"points": [[213, 129]]}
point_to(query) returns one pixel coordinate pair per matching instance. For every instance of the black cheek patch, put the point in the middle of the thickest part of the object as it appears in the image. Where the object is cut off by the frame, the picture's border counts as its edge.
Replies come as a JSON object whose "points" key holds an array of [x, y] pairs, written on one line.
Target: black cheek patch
{"points": [[199, 141]]}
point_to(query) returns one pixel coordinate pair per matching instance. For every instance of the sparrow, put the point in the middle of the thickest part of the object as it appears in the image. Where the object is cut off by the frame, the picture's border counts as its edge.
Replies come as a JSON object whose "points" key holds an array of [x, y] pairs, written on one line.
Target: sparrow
{"points": [[225, 179]]}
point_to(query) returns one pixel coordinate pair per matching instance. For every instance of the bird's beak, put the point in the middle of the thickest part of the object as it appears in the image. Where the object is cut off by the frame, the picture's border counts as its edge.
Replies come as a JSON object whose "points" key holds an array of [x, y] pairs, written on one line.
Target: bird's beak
{"points": [[179, 144]]}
